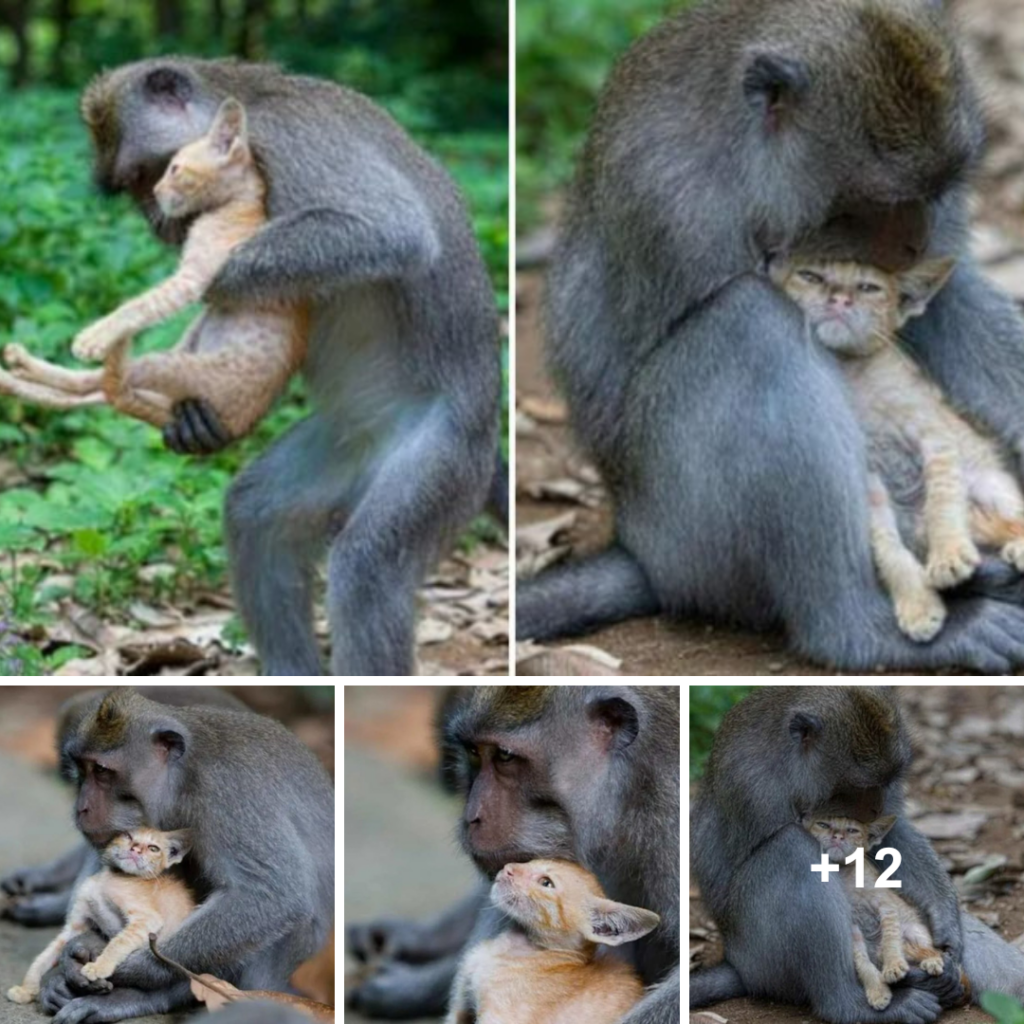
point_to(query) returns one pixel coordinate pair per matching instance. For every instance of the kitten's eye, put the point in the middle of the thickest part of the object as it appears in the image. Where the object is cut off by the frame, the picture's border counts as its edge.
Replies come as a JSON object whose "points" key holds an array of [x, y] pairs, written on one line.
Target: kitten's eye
{"points": [[855, 831], [503, 756], [810, 277], [822, 824], [867, 288], [154, 849], [175, 170], [546, 882]]}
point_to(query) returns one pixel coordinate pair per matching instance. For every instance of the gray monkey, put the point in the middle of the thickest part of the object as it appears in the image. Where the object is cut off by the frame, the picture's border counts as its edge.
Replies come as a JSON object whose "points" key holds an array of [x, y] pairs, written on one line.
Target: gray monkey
{"points": [[737, 469], [403, 363]]}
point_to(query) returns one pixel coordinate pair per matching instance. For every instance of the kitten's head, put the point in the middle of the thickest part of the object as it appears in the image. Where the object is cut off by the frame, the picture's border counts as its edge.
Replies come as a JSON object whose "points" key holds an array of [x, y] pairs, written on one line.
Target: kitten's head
{"points": [[562, 906], [839, 837], [211, 171], [146, 852], [855, 309]]}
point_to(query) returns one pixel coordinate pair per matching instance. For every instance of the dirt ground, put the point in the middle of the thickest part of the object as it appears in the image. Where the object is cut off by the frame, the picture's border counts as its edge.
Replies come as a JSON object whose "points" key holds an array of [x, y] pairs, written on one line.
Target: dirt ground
{"points": [[968, 760], [554, 480]]}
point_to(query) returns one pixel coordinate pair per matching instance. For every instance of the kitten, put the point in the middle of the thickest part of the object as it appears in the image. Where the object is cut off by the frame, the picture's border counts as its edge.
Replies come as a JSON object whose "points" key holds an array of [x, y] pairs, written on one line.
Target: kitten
{"points": [[238, 360], [856, 311], [129, 895], [894, 924], [545, 967]]}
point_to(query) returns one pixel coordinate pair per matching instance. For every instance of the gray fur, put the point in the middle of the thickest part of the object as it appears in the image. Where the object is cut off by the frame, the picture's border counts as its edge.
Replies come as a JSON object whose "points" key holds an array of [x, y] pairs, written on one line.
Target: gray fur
{"points": [[261, 813], [618, 819], [403, 359], [736, 466], [783, 751]]}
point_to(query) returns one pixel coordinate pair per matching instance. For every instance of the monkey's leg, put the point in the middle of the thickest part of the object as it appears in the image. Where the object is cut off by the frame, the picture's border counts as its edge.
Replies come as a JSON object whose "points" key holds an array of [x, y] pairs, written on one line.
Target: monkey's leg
{"points": [[952, 554], [971, 339], [890, 947], [681, 521], [28, 367], [879, 994], [991, 963], [660, 1005], [420, 493], [919, 608], [43, 893]]}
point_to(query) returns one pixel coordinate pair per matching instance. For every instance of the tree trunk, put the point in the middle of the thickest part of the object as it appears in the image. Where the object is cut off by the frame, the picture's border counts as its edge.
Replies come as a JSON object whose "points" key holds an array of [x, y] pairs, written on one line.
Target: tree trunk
{"points": [[251, 38], [169, 20], [63, 14], [218, 19], [14, 14]]}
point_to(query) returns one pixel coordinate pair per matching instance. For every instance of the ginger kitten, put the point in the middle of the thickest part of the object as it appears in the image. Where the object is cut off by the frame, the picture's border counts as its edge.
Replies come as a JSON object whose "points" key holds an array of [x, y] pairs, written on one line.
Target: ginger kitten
{"points": [[970, 499], [546, 967]]}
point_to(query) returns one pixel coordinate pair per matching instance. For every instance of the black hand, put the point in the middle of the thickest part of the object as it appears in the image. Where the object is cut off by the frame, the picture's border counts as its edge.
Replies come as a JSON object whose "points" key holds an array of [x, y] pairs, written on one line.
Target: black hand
{"points": [[196, 429]]}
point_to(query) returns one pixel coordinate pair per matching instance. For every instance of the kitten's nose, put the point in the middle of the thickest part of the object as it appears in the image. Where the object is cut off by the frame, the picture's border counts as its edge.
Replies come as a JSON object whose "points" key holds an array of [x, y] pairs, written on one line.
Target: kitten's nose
{"points": [[839, 299]]}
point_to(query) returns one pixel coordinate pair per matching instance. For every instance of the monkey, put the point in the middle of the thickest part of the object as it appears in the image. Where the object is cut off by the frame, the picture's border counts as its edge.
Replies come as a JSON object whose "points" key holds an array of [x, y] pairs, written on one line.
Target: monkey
{"points": [[733, 131], [782, 752], [588, 774], [403, 361], [41, 895], [260, 810]]}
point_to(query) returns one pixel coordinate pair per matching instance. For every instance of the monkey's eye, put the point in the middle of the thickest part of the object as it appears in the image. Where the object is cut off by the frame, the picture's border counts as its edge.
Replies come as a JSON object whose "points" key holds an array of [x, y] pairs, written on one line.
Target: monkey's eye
{"points": [[154, 849], [473, 751], [869, 288], [503, 756], [810, 277], [546, 882], [101, 771]]}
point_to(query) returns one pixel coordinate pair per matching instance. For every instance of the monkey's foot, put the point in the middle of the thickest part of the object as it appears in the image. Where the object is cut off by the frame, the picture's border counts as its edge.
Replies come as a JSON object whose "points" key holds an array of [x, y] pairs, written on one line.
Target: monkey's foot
{"points": [[893, 970], [932, 965], [879, 996], [921, 615], [1014, 554], [21, 994], [950, 566]]}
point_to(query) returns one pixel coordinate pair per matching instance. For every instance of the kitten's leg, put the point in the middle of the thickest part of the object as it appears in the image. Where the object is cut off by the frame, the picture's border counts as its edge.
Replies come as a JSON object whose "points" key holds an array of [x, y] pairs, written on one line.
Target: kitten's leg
{"points": [[952, 554], [152, 307], [134, 935], [920, 611], [29, 988], [119, 377], [890, 946], [39, 371], [41, 394], [997, 515], [461, 1004], [879, 994]]}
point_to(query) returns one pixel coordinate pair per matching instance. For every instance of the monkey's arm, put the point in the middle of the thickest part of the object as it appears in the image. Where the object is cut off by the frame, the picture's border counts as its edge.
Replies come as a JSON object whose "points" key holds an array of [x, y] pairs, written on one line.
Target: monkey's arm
{"points": [[660, 1005], [43, 893], [971, 338], [312, 252]]}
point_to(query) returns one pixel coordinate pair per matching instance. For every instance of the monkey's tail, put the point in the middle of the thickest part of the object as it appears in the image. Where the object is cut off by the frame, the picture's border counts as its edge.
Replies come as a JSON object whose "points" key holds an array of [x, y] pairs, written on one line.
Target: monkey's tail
{"points": [[583, 595], [715, 984], [497, 496]]}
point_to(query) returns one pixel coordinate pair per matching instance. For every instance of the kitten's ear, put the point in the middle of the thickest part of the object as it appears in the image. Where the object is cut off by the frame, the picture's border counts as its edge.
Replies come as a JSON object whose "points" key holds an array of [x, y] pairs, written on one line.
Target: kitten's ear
{"points": [[615, 923], [178, 844], [229, 132], [778, 269], [919, 285], [879, 828]]}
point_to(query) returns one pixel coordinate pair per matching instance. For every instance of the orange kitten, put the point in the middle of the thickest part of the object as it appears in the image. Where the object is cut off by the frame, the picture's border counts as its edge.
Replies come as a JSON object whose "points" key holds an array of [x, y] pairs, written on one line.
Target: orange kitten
{"points": [[546, 968], [238, 360], [893, 923], [131, 887], [969, 497]]}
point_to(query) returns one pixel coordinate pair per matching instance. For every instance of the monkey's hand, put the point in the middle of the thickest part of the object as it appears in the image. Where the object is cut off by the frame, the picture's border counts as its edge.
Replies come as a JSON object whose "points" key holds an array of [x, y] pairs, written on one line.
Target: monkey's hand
{"points": [[98, 339], [25, 881], [65, 981], [196, 429], [950, 987]]}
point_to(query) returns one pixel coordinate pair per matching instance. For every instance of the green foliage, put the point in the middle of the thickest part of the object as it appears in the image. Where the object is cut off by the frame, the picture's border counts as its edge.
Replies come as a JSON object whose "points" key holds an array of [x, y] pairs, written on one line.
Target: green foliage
{"points": [[1004, 1008], [105, 510], [563, 55], [708, 705]]}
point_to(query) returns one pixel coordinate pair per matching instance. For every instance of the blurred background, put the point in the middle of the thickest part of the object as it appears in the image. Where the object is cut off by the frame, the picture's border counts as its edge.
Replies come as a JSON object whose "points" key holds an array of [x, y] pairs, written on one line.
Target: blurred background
{"points": [[402, 858], [564, 52], [97, 520], [965, 793], [36, 808]]}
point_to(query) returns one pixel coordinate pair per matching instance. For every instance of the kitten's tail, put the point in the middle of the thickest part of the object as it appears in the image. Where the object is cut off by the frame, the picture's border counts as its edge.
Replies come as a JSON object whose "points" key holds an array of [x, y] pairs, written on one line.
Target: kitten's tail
{"points": [[583, 595]]}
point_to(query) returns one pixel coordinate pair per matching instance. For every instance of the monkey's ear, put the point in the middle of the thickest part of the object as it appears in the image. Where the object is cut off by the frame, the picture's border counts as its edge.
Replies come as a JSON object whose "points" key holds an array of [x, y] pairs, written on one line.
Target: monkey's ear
{"points": [[178, 844], [229, 131], [919, 285], [879, 828], [615, 923], [805, 728], [773, 85], [618, 719], [168, 85], [170, 739]]}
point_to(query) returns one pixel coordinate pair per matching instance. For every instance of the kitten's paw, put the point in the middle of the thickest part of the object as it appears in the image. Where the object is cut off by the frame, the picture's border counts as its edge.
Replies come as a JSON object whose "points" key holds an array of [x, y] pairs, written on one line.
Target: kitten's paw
{"points": [[1014, 554], [879, 996], [932, 965], [922, 616], [95, 971], [950, 566], [15, 355], [21, 994], [95, 342], [893, 970]]}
